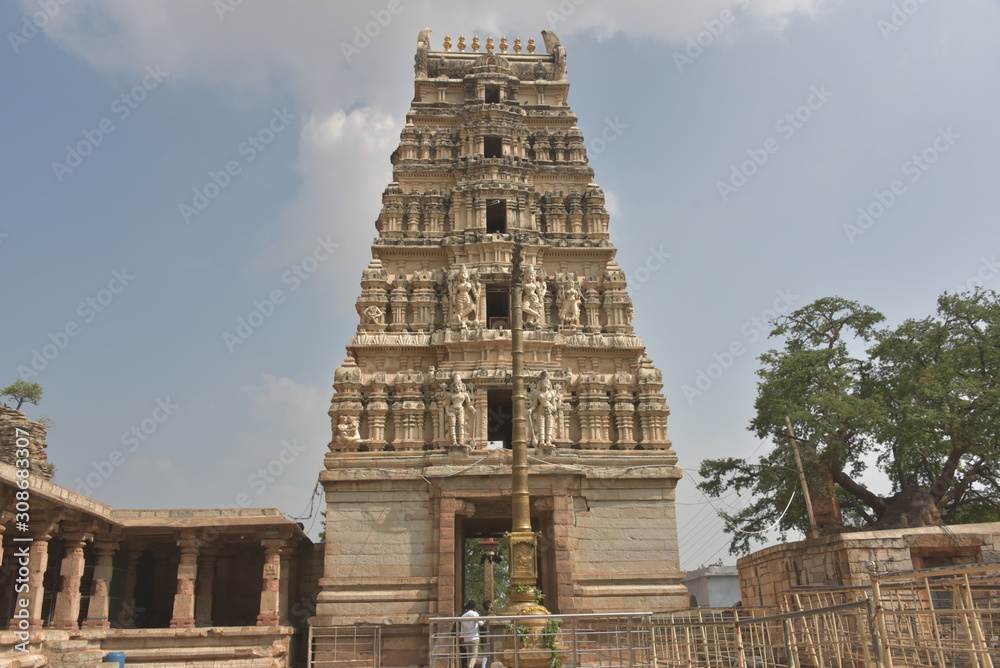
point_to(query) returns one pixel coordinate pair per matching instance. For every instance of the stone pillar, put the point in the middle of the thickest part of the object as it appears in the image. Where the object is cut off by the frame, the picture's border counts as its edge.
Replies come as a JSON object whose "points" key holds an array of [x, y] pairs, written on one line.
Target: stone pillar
{"points": [[270, 592], [129, 613], [100, 599], [71, 573], [204, 588], [285, 577], [187, 573], [488, 548], [38, 562]]}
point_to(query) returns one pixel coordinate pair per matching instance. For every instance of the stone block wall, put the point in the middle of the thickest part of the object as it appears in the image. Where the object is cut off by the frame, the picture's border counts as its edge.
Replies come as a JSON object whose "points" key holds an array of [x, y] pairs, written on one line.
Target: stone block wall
{"points": [[842, 559], [625, 548], [380, 557]]}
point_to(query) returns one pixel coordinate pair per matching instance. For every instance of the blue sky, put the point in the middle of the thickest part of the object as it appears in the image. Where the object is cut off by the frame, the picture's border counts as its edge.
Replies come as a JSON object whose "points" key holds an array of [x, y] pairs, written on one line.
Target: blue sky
{"points": [[736, 142]]}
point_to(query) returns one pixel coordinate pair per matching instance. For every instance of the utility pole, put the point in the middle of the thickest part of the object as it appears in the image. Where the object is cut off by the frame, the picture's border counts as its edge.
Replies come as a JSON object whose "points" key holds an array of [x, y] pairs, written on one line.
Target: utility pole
{"points": [[813, 530]]}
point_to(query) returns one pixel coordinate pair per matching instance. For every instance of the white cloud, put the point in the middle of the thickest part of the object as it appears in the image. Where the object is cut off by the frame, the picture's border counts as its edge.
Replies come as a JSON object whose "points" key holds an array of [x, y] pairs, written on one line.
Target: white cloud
{"points": [[285, 401], [672, 22], [352, 104], [344, 166], [301, 44]]}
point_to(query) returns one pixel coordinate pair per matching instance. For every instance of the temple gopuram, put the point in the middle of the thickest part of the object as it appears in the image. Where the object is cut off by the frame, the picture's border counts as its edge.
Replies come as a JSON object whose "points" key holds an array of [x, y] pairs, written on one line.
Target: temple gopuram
{"points": [[491, 156]]}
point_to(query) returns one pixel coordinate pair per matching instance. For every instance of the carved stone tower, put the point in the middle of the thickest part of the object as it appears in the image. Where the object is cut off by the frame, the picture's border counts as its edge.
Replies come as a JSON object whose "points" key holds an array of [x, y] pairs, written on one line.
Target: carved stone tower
{"points": [[420, 461]]}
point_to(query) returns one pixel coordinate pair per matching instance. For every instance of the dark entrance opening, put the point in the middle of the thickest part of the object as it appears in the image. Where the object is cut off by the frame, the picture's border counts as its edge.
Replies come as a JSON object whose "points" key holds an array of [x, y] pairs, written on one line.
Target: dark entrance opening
{"points": [[500, 417], [492, 520], [498, 307], [492, 93], [496, 216], [492, 147]]}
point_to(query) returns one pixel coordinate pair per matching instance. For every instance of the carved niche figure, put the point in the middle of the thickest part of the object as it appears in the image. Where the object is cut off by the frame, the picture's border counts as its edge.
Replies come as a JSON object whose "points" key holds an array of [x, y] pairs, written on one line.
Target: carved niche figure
{"points": [[375, 315], [533, 299], [544, 406], [457, 403], [463, 291], [569, 300], [347, 431]]}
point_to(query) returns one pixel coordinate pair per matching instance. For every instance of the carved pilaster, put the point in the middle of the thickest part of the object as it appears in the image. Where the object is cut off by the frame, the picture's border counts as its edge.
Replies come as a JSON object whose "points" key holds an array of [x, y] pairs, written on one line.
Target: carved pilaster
{"points": [[624, 410], [411, 227], [423, 302], [594, 412], [617, 303], [592, 306], [398, 303], [377, 410], [408, 411], [480, 420], [652, 407]]}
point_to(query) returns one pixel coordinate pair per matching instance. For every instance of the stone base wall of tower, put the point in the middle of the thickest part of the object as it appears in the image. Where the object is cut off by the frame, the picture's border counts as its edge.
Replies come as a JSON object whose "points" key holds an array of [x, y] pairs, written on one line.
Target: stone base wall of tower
{"points": [[395, 529]]}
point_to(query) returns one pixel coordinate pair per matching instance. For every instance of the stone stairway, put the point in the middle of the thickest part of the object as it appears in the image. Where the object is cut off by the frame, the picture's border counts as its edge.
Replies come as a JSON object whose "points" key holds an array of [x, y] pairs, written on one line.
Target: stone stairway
{"points": [[72, 653]]}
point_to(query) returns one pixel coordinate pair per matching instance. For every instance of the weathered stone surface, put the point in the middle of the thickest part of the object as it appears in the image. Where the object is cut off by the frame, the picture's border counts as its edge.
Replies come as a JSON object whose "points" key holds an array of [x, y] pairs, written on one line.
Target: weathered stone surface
{"points": [[14, 425]]}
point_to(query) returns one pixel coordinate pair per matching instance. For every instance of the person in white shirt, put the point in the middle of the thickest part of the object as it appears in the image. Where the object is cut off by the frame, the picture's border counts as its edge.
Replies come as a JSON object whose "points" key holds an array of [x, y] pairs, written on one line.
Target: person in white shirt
{"points": [[469, 635]]}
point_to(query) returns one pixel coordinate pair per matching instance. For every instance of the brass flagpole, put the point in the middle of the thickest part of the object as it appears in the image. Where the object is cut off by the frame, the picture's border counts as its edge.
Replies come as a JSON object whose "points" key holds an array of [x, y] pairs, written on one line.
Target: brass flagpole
{"points": [[522, 593]]}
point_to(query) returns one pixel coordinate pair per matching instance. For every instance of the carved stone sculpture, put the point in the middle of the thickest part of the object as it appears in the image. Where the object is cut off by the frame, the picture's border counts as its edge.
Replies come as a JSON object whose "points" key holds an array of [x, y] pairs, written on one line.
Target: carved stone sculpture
{"points": [[533, 299], [348, 433], [375, 315], [569, 300], [463, 291], [458, 403], [544, 406]]}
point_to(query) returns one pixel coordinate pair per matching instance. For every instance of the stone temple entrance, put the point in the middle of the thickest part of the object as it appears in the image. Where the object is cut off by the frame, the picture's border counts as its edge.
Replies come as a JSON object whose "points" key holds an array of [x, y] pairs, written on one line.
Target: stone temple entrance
{"points": [[492, 152], [487, 523]]}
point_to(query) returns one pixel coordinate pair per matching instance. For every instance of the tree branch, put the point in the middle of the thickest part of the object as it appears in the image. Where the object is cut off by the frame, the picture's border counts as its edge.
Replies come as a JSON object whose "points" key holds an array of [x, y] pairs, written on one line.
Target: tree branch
{"points": [[942, 486], [857, 490]]}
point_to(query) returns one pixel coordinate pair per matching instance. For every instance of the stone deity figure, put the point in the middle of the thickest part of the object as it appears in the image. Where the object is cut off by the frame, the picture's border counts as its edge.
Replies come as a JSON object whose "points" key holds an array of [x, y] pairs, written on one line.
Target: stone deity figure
{"points": [[347, 431], [533, 299], [544, 404], [569, 301], [457, 403], [463, 290]]}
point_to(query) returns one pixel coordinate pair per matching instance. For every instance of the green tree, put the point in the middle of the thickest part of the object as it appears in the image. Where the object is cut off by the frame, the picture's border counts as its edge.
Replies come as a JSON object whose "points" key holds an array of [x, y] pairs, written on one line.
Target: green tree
{"points": [[22, 391], [920, 401]]}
